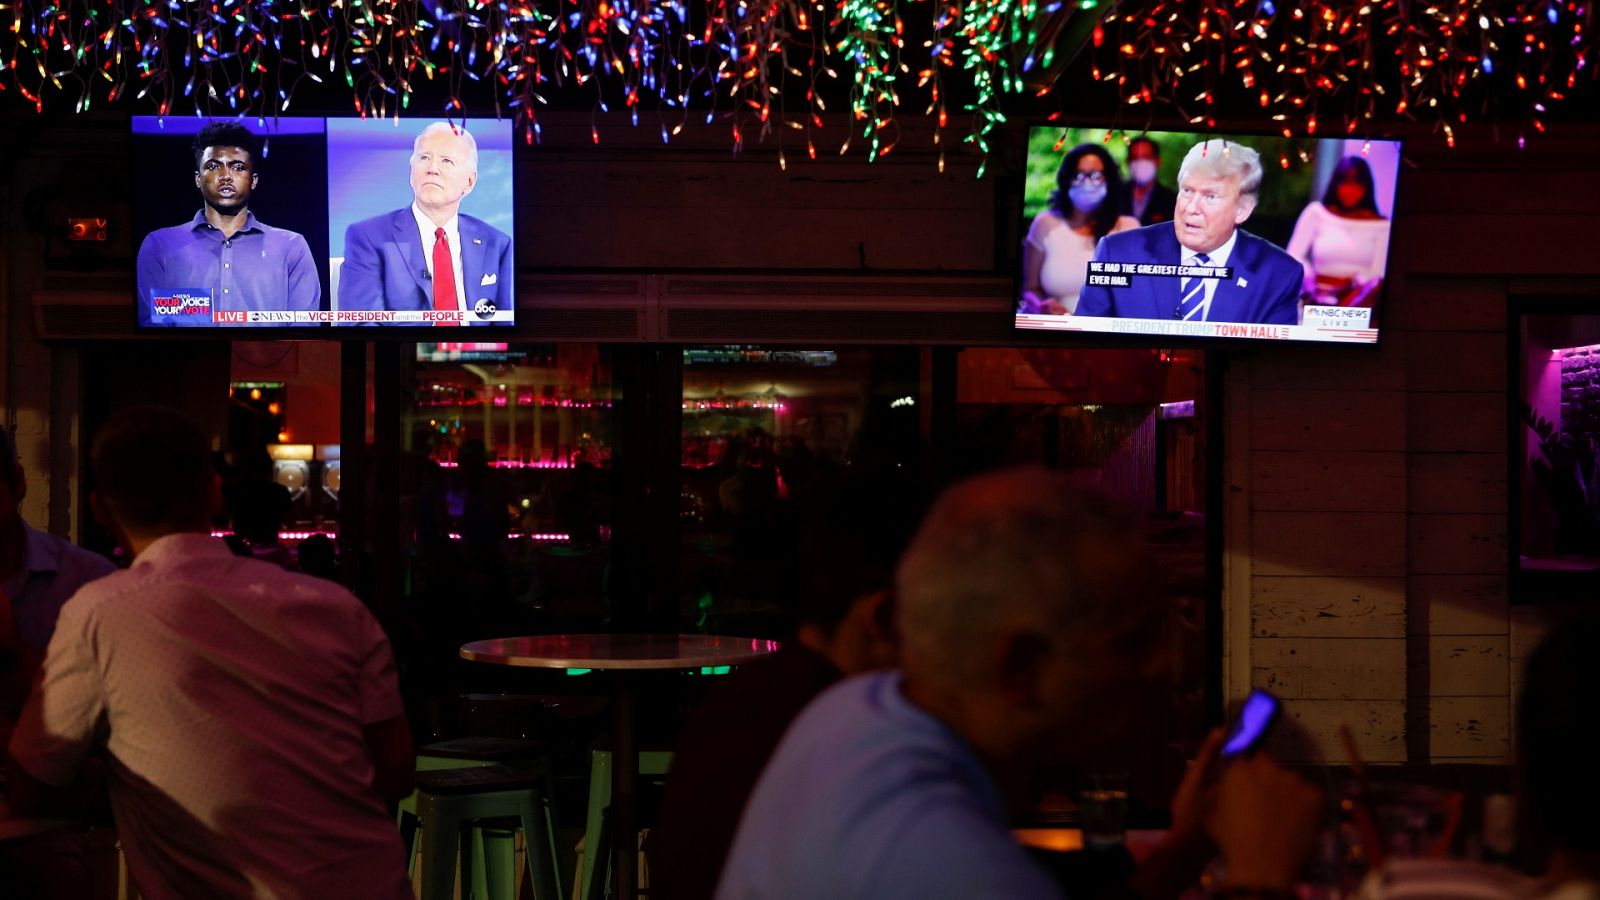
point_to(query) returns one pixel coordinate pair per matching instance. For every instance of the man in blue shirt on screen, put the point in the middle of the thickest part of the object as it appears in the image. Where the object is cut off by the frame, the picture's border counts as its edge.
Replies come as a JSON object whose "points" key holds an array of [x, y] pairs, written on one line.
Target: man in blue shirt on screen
{"points": [[224, 259], [1218, 186], [430, 255]]}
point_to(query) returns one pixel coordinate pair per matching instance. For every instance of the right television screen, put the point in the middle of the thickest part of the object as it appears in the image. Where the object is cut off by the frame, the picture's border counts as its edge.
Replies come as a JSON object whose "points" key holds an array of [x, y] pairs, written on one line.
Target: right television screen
{"points": [[1206, 236]]}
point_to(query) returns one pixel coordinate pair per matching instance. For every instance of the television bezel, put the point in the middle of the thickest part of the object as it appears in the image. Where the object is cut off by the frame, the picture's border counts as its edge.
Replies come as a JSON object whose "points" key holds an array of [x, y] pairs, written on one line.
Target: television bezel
{"points": [[1111, 339], [409, 331]]}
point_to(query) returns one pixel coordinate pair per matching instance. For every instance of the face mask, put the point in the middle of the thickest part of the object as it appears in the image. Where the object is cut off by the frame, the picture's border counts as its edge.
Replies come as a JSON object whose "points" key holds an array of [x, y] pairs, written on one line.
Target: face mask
{"points": [[1350, 195], [1143, 170], [1087, 197]]}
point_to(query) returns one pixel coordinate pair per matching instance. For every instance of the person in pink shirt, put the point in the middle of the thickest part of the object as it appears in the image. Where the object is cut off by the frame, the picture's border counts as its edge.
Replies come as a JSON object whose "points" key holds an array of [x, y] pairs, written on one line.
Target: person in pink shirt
{"points": [[248, 717]]}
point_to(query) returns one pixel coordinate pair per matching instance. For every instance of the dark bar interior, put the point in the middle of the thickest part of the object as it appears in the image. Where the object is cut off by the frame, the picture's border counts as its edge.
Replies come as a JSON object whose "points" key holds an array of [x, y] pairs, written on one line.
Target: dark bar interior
{"points": [[883, 450]]}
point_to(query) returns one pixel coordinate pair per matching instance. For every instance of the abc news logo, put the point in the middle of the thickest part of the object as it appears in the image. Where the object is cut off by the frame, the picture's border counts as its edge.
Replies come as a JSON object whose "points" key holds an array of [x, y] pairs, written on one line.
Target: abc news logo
{"points": [[485, 309]]}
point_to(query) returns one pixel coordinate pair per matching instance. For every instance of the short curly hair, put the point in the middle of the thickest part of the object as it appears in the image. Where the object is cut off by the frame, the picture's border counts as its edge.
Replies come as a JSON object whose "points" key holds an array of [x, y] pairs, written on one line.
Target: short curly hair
{"points": [[226, 134]]}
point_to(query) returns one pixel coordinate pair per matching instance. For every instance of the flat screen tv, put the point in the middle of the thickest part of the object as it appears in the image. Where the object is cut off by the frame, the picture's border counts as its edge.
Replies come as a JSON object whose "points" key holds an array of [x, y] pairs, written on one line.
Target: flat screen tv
{"points": [[324, 223], [1191, 238]]}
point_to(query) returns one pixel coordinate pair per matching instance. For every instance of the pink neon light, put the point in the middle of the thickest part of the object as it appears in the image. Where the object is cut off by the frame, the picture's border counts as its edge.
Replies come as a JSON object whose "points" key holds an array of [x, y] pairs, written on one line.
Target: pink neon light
{"points": [[512, 464]]}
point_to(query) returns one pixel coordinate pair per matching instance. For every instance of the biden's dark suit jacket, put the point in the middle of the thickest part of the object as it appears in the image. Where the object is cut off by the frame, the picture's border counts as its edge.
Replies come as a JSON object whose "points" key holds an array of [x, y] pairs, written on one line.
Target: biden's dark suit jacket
{"points": [[386, 266]]}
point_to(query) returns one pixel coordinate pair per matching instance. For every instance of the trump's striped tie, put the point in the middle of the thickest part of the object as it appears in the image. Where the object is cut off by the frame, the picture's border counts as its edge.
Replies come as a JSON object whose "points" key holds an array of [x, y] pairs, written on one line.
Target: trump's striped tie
{"points": [[1193, 290]]}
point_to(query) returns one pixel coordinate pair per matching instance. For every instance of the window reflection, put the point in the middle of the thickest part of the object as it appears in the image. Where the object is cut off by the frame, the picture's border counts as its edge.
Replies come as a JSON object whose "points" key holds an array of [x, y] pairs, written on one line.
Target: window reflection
{"points": [[768, 434], [508, 452]]}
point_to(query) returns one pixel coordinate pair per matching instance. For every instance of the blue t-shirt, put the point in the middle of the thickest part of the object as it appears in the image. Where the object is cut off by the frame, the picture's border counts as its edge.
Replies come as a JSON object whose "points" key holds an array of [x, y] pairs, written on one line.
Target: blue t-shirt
{"points": [[870, 798]]}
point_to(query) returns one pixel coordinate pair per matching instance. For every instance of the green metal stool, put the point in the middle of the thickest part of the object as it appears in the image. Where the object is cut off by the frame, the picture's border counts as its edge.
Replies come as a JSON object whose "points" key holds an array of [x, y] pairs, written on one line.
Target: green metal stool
{"points": [[451, 799], [596, 832], [492, 849]]}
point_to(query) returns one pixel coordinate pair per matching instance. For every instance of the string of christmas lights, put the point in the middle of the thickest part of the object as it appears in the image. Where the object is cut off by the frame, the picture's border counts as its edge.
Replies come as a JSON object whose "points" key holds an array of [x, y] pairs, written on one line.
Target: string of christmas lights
{"points": [[762, 67], [1350, 65]]}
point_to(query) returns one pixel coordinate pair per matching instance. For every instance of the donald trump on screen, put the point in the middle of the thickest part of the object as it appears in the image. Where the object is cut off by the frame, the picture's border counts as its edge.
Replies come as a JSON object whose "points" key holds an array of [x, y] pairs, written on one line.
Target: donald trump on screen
{"points": [[1218, 185]]}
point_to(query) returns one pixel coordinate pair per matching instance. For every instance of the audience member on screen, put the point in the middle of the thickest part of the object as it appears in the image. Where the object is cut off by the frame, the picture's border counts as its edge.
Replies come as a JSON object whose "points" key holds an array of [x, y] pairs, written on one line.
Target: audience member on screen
{"points": [[1343, 241], [1218, 186], [1144, 198], [38, 572], [1082, 210], [845, 627], [225, 254], [430, 255], [1031, 636], [249, 717]]}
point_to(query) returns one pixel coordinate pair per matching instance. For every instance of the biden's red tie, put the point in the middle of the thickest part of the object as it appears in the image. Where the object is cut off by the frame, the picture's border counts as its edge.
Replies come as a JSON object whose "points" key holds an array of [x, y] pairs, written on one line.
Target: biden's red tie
{"points": [[444, 275]]}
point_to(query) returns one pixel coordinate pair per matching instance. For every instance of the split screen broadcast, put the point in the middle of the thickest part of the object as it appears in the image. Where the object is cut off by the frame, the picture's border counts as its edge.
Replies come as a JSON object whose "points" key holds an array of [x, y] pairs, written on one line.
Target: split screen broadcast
{"points": [[324, 222], [1206, 236], [343, 222]]}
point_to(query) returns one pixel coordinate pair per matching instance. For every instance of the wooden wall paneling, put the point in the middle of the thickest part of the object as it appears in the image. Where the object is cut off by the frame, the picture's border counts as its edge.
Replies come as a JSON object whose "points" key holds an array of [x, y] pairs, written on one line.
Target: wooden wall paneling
{"points": [[1238, 551], [1457, 422], [1469, 727], [1490, 243], [1456, 543], [675, 212], [1330, 668], [1328, 607], [1326, 418], [1356, 370], [1456, 361], [1334, 544], [1468, 665], [1328, 481], [1456, 482], [1311, 731], [1459, 304], [1457, 604]]}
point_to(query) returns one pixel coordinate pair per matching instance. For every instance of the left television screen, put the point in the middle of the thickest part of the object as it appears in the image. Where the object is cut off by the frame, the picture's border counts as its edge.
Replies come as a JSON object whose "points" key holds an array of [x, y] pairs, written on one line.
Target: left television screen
{"points": [[324, 223]]}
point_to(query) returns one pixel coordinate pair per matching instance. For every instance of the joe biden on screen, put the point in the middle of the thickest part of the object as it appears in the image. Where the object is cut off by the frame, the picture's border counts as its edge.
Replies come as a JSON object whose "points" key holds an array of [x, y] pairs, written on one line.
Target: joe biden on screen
{"points": [[429, 256]]}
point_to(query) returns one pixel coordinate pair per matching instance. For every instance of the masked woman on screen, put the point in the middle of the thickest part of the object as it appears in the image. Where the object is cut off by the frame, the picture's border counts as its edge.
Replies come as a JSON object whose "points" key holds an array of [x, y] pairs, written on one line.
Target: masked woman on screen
{"points": [[1061, 241], [1343, 241]]}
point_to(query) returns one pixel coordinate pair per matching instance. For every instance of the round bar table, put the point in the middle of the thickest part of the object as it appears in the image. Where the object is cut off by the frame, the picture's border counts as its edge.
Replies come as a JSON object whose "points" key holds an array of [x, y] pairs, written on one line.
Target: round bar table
{"points": [[622, 655]]}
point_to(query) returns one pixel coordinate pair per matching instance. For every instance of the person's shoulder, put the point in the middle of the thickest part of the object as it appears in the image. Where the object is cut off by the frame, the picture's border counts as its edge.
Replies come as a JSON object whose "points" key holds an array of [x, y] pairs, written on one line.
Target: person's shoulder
{"points": [[483, 229], [1125, 223], [377, 222], [108, 591], [294, 239], [1262, 247], [1316, 211], [161, 235], [1139, 236], [1048, 220], [86, 562]]}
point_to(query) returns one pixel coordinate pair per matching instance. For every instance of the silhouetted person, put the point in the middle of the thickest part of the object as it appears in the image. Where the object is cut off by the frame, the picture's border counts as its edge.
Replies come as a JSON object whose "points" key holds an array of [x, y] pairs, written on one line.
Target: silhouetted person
{"points": [[250, 716], [847, 555], [38, 572], [1030, 639], [317, 556], [257, 506]]}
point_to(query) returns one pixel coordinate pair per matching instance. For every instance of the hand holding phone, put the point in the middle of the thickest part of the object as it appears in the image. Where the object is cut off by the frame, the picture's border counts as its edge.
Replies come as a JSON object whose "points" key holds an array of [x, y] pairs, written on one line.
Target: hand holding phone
{"points": [[1250, 726]]}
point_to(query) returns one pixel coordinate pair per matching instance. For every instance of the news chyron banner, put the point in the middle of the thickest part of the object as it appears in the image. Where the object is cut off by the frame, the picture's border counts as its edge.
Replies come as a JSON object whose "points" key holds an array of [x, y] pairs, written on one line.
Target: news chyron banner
{"points": [[1323, 325], [193, 307]]}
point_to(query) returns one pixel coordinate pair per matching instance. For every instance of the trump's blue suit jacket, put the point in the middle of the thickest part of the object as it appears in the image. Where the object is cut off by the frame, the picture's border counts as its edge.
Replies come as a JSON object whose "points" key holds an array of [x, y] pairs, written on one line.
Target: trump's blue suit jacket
{"points": [[1265, 287], [385, 266]]}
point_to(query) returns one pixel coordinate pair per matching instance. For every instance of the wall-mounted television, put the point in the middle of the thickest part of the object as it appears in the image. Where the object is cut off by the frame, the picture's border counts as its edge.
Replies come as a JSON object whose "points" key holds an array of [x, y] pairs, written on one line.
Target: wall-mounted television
{"points": [[324, 223], [1193, 237]]}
